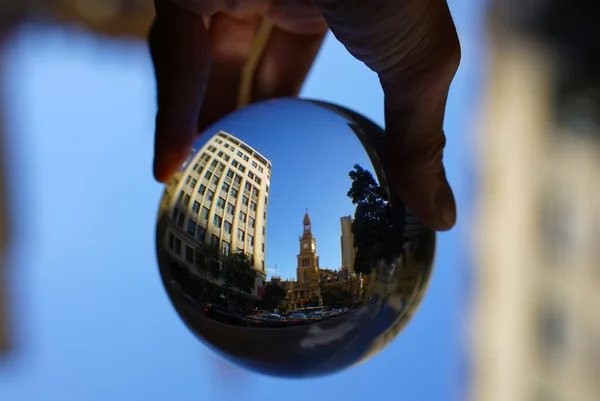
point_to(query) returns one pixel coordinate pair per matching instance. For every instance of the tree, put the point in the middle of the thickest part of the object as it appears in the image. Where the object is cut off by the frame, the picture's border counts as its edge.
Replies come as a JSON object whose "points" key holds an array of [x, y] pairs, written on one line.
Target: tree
{"points": [[336, 297], [207, 260], [238, 272], [273, 296], [373, 228]]}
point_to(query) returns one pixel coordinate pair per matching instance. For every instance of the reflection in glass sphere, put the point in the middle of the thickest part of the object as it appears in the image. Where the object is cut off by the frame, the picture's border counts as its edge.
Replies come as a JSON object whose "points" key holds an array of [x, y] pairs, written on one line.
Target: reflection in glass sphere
{"points": [[282, 246]]}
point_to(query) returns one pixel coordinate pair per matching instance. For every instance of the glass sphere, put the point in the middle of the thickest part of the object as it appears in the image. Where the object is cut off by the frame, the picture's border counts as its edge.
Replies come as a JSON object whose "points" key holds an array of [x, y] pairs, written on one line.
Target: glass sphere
{"points": [[282, 246]]}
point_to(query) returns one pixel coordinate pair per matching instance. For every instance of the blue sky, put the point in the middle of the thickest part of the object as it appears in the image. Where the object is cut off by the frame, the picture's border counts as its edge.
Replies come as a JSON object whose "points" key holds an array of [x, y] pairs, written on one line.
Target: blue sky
{"points": [[92, 318]]}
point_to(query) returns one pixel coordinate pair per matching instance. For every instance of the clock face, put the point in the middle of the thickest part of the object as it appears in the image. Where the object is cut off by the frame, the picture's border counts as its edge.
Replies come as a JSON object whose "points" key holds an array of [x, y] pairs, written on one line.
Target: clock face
{"points": [[305, 246]]}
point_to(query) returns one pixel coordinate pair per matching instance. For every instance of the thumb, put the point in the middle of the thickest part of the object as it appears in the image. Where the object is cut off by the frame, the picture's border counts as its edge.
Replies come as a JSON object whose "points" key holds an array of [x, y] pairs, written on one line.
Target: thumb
{"points": [[414, 150]]}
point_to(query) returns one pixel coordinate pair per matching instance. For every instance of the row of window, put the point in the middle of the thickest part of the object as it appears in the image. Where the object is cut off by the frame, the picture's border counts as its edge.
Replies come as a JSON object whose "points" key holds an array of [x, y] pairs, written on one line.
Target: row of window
{"points": [[176, 245], [241, 154], [218, 221]]}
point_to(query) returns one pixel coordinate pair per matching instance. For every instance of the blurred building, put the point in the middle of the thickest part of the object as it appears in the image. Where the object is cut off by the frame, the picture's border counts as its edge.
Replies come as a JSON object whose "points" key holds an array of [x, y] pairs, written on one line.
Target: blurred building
{"points": [[220, 199], [535, 327], [115, 18]]}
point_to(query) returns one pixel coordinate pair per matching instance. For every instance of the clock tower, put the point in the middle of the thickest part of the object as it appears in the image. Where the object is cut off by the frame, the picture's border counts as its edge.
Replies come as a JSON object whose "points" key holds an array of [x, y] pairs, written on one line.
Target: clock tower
{"points": [[308, 261]]}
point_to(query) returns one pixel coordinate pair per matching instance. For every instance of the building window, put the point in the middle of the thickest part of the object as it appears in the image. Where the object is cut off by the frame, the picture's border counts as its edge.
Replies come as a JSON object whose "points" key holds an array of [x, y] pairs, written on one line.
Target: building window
{"points": [[234, 163], [226, 157], [188, 179], [241, 168], [186, 199], [248, 187], [207, 175], [237, 178], [200, 169], [191, 227], [226, 249], [258, 180], [267, 189], [234, 192], [254, 164], [254, 191], [215, 180], [251, 174], [242, 217], [266, 201], [241, 235], [227, 227], [263, 265], [260, 169], [253, 206], [171, 241], [193, 183], [196, 207], [225, 187], [245, 200], [189, 254], [552, 330], [245, 158], [180, 219], [251, 222], [204, 214], [227, 146], [239, 153], [177, 246], [214, 163], [264, 231], [230, 208], [250, 240], [210, 195], [220, 154], [214, 240], [200, 233], [221, 167], [263, 247], [221, 202], [201, 189], [217, 220], [196, 166], [230, 173]]}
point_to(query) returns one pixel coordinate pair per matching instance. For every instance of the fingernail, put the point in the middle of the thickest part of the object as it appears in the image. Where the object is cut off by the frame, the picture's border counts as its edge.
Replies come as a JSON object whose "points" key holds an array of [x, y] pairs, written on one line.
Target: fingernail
{"points": [[445, 209]]}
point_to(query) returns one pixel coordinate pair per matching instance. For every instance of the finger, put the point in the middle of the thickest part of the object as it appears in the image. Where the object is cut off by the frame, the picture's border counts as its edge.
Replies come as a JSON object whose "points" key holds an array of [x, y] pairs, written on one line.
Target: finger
{"points": [[231, 42], [286, 62], [179, 48], [414, 161], [413, 47]]}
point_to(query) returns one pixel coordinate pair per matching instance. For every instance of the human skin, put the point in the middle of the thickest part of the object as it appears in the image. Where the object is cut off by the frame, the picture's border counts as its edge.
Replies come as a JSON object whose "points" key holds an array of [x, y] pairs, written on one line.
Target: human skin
{"points": [[199, 48]]}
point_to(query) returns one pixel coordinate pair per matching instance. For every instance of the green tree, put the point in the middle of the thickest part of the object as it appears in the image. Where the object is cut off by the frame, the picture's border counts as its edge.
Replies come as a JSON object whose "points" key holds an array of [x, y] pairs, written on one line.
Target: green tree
{"points": [[373, 227], [207, 260], [273, 296], [238, 272], [336, 297]]}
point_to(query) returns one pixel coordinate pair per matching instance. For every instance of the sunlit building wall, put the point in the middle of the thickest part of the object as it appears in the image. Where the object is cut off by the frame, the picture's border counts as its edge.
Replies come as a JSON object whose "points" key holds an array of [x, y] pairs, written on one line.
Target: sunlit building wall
{"points": [[222, 200], [347, 243], [535, 327]]}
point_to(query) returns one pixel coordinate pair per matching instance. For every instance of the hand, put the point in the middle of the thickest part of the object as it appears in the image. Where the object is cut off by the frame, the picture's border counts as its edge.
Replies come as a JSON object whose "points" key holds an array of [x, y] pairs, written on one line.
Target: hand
{"points": [[411, 45]]}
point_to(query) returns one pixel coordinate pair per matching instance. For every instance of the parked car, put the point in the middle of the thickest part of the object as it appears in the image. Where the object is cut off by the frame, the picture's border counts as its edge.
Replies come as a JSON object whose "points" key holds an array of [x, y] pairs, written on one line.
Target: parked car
{"points": [[223, 315], [297, 318]]}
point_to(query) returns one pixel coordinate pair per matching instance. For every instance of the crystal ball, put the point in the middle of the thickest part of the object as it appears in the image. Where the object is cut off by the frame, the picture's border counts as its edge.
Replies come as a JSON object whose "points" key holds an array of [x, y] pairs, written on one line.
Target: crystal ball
{"points": [[281, 245]]}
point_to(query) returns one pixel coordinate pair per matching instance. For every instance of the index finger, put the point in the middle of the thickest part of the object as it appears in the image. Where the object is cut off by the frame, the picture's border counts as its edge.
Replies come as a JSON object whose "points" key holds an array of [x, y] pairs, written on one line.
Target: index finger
{"points": [[178, 43]]}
